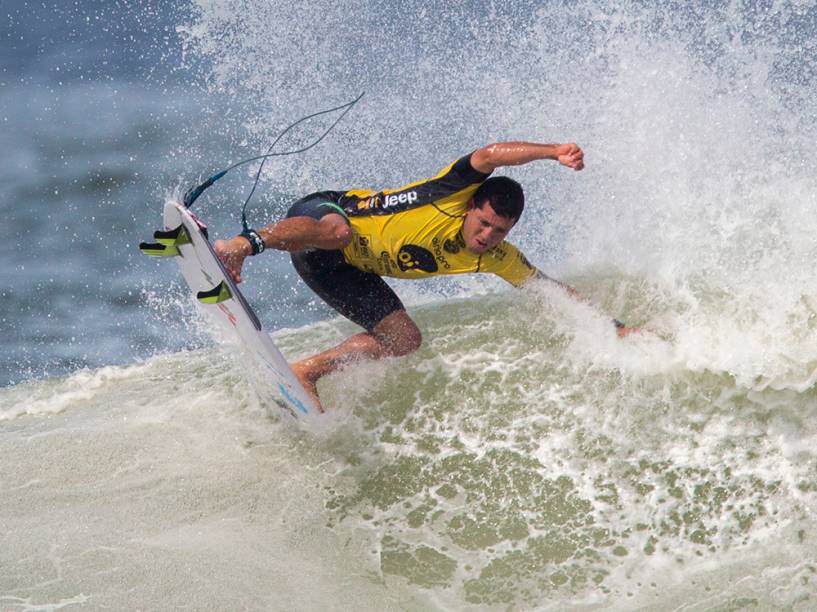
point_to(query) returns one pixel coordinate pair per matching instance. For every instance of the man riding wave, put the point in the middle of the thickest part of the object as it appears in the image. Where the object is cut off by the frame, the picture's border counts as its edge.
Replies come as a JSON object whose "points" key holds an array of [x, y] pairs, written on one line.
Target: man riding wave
{"points": [[343, 242]]}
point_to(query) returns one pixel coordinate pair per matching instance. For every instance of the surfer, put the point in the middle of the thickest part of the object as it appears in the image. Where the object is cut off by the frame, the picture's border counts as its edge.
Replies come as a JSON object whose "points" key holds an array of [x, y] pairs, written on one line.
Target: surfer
{"points": [[343, 242]]}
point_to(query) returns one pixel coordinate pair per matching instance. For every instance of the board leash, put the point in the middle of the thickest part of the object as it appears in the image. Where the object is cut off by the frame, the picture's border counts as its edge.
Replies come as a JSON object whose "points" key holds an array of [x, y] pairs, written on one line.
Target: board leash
{"points": [[193, 193], [168, 241]]}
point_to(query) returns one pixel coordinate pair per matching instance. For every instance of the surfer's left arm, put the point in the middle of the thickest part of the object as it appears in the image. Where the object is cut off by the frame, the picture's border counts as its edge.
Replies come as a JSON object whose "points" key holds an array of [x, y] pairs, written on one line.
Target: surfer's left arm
{"points": [[493, 156], [621, 329]]}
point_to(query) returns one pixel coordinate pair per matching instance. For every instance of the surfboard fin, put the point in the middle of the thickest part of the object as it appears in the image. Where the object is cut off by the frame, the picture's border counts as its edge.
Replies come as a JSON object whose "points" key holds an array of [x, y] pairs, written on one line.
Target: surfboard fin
{"points": [[216, 295], [158, 250], [173, 237]]}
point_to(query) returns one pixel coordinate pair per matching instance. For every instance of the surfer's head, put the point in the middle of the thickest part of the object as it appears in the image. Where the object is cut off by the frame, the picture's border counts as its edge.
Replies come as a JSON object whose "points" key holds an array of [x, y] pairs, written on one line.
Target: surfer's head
{"points": [[492, 212], [503, 194]]}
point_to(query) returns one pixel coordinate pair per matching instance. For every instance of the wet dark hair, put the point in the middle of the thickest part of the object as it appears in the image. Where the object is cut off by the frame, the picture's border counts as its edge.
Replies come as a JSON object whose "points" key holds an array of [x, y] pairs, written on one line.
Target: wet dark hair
{"points": [[503, 194]]}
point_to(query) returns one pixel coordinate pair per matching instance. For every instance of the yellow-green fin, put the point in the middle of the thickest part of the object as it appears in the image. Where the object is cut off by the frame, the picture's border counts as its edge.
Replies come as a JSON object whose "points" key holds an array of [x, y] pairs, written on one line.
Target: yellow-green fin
{"points": [[216, 295], [172, 237], [158, 250]]}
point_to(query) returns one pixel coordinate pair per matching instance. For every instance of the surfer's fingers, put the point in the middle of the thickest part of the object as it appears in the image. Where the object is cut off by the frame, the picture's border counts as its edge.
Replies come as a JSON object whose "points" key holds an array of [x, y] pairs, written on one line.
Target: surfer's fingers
{"points": [[574, 164], [573, 158]]}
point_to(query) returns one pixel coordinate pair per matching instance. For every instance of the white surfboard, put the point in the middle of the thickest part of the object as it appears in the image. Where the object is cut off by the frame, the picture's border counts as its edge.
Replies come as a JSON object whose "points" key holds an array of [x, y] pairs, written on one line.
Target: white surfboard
{"points": [[227, 308]]}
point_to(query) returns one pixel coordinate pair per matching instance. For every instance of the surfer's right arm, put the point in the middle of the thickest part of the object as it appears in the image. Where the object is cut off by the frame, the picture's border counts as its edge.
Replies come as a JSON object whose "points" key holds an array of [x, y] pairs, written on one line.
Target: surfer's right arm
{"points": [[291, 234]]}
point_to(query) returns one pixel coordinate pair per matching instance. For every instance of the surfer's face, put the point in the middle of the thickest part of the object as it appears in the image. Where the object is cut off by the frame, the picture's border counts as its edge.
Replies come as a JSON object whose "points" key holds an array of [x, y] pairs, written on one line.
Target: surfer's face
{"points": [[483, 229]]}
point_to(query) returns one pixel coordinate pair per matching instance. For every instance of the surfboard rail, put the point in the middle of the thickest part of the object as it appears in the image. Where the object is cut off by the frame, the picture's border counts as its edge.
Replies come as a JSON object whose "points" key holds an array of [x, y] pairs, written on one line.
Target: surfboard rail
{"points": [[221, 301]]}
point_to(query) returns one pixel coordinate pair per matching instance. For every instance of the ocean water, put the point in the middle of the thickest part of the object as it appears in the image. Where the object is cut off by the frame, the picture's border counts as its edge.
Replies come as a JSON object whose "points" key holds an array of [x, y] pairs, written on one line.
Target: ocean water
{"points": [[524, 458]]}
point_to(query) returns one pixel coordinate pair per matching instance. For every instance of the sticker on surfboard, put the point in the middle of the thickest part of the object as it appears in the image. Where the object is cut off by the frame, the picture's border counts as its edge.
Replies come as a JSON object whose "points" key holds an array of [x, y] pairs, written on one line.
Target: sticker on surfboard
{"points": [[219, 299]]}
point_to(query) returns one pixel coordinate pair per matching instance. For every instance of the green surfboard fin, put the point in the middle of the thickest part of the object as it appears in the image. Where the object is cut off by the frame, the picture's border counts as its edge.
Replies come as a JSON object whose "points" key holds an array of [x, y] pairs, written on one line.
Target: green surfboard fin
{"points": [[174, 237], [158, 250], [216, 295]]}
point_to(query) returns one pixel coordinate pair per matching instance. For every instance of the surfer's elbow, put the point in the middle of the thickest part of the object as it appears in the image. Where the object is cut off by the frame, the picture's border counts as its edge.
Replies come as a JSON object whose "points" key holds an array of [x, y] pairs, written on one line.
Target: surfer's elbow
{"points": [[341, 235]]}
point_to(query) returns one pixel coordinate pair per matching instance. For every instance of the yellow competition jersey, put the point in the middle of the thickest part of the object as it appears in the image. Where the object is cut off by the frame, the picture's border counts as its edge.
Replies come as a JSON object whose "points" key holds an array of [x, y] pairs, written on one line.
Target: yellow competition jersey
{"points": [[415, 231]]}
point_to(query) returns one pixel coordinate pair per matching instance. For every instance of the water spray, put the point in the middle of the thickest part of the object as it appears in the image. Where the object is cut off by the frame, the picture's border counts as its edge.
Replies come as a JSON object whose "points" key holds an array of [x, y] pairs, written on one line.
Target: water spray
{"points": [[192, 194]]}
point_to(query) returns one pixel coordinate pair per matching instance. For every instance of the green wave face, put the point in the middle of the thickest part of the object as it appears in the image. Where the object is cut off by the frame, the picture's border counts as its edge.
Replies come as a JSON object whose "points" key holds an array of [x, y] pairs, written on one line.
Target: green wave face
{"points": [[512, 463]]}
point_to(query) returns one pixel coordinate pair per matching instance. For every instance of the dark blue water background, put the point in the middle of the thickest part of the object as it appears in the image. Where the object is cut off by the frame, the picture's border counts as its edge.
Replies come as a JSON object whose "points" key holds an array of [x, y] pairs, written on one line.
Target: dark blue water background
{"points": [[102, 120]]}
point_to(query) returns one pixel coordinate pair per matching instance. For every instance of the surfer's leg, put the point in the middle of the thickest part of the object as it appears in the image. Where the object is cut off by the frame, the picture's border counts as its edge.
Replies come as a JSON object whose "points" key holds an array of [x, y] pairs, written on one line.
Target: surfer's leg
{"points": [[396, 335], [361, 297]]}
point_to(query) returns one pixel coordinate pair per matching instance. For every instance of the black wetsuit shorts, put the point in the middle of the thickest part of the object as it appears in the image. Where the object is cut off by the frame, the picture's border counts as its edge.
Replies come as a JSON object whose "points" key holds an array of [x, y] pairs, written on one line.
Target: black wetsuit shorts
{"points": [[362, 297]]}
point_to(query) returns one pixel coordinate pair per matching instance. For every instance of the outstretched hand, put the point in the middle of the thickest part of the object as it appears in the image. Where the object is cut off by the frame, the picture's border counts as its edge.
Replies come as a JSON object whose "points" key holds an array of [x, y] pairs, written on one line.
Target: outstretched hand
{"points": [[571, 155], [232, 254]]}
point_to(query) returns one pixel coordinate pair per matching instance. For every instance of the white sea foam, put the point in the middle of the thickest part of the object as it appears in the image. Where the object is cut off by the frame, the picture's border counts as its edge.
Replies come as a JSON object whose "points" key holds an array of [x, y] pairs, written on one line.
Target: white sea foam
{"points": [[56, 395]]}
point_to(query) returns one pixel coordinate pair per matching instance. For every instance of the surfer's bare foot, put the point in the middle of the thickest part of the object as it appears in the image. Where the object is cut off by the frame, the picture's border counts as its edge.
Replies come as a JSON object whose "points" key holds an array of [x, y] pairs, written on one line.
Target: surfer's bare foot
{"points": [[232, 254], [308, 382]]}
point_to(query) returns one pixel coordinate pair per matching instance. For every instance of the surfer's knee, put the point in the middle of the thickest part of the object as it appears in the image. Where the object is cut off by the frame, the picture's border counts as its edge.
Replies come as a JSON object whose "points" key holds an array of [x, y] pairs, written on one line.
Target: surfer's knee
{"points": [[399, 333], [410, 340]]}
